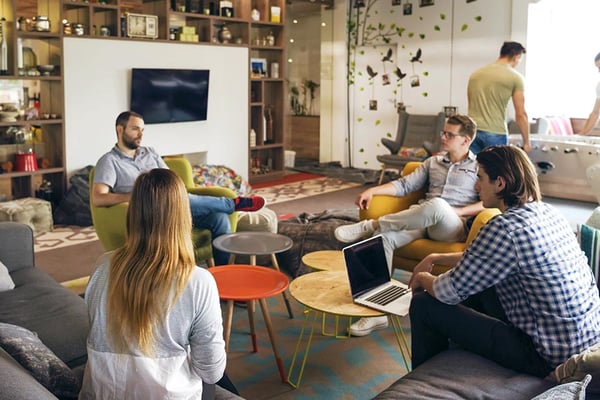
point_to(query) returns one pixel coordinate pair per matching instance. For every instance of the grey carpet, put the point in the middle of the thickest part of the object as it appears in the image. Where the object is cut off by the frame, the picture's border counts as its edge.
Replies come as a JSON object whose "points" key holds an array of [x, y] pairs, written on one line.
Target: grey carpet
{"points": [[335, 170]]}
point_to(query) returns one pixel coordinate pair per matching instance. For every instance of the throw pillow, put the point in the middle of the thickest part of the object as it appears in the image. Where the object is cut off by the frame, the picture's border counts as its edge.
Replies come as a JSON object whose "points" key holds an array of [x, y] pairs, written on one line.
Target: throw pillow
{"points": [[6, 283], [566, 391], [579, 365], [49, 370]]}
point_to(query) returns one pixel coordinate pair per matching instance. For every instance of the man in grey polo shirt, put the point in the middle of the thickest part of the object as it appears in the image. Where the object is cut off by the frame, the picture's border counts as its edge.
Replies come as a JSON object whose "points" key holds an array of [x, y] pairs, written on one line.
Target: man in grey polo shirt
{"points": [[117, 170], [449, 204]]}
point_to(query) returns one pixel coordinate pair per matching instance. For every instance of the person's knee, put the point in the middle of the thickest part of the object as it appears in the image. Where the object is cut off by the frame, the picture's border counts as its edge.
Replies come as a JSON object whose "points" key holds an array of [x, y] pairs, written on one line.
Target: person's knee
{"points": [[419, 303], [222, 225]]}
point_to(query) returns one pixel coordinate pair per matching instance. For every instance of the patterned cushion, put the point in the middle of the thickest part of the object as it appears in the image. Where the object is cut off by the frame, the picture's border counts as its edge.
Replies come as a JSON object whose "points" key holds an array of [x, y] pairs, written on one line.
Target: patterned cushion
{"points": [[567, 391], [49, 370], [220, 175]]}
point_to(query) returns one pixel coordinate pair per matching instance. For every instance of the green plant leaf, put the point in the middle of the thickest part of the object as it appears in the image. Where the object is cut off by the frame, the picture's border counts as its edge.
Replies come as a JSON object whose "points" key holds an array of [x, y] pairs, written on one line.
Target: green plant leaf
{"points": [[422, 35], [361, 150], [359, 119], [478, 18], [377, 122], [424, 94], [436, 28], [464, 27], [411, 34], [442, 16], [388, 134]]}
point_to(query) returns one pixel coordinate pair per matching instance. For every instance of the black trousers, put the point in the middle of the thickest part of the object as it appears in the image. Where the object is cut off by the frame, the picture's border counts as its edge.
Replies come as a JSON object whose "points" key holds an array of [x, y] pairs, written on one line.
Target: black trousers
{"points": [[479, 325]]}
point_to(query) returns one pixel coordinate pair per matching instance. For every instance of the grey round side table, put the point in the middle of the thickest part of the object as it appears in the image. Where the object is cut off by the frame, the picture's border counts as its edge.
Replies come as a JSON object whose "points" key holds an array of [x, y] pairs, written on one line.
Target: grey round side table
{"points": [[256, 244]]}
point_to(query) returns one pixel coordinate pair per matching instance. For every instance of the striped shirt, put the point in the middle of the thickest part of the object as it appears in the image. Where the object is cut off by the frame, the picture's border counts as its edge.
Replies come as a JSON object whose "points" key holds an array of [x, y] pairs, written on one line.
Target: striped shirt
{"points": [[453, 182], [542, 279]]}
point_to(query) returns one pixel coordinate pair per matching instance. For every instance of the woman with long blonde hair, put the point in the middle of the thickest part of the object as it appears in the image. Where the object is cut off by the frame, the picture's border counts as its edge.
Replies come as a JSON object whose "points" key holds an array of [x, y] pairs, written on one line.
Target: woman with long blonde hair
{"points": [[155, 321]]}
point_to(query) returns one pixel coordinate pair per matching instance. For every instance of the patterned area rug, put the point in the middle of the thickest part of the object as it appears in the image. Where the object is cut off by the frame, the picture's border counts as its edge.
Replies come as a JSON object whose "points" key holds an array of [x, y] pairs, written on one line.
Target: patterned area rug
{"points": [[297, 190], [355, 368], [62, 236]]}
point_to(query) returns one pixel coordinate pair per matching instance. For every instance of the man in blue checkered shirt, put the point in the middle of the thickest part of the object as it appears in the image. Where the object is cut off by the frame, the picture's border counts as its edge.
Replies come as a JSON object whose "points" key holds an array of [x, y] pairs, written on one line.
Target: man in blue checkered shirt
{"points": [[529, 299]]}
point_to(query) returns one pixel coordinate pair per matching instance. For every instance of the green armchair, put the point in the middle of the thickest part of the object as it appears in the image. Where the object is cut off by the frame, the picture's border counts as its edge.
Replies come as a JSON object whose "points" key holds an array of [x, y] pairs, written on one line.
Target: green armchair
{"points": [[109, 222]]}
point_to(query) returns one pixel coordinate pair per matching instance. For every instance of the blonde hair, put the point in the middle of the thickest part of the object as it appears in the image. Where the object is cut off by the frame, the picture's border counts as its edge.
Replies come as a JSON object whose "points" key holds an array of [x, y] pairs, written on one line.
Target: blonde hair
{"points": [[150, 271]]}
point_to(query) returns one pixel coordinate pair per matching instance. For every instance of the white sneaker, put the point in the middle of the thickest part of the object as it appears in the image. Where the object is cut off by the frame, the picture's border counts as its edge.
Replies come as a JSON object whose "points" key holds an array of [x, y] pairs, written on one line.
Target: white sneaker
{"points": [[364, 326], [353, 232]]}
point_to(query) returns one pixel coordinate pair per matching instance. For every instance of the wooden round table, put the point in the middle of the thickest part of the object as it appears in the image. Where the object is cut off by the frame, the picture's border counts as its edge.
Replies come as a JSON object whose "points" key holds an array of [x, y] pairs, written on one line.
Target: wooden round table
{"points": [[325, 260], [248, 283], [328, 292]]}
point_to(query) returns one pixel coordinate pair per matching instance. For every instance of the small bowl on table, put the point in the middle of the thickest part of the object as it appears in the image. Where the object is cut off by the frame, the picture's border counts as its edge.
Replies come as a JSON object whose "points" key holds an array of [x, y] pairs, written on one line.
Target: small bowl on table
{"points": [[45, 69]]}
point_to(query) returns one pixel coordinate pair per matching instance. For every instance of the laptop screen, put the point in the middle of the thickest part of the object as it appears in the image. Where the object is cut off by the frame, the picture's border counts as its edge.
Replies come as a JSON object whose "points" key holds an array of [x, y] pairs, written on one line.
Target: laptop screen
{"points": [[366, 265]]}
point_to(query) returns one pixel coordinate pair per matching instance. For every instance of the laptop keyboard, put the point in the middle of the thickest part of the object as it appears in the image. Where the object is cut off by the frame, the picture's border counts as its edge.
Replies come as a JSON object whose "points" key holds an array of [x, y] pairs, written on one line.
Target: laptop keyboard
{"points": [[387, 295]]}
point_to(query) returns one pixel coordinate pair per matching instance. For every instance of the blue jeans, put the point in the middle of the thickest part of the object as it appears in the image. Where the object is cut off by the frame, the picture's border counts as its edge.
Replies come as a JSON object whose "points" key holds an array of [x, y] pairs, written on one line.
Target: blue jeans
{"points": [[212, 213], [484, 139]]}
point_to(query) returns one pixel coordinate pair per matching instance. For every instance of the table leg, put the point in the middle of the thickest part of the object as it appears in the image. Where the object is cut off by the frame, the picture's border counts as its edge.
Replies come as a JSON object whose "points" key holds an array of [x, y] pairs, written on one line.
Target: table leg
{"points": [[285, 298], [253, 259], [307, 313], [227, 326], [336, 333], [250, 306], [267, 318], [231, 259], [401, 339]]}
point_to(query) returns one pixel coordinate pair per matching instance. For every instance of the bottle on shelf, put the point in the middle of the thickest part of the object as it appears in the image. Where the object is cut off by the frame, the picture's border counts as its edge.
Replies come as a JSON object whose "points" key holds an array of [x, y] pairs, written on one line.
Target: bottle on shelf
{"points": [[3, 48]]}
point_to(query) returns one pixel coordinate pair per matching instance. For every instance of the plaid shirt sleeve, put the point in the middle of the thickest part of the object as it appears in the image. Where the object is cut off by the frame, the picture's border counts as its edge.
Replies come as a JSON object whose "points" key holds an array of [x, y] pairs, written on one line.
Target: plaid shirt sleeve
{"points": [[487, 261]]}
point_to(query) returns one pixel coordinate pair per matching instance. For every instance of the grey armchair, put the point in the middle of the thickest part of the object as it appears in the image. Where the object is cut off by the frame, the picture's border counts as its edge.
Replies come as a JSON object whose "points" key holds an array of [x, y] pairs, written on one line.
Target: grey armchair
{"points": [[414, 131]]}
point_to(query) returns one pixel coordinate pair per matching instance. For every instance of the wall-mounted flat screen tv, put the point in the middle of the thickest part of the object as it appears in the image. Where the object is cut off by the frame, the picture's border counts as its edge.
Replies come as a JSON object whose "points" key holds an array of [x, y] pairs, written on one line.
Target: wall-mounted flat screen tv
{"points": [[169, 95]]}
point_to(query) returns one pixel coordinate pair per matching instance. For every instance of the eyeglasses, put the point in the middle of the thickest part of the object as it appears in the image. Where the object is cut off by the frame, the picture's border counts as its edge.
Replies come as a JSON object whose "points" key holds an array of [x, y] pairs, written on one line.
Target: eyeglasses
{"points": [[448, 135]]}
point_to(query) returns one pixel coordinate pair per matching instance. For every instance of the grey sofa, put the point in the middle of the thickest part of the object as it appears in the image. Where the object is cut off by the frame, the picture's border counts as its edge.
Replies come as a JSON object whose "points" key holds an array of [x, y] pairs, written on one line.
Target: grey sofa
{"points": [[41, 305], [458, 374]]}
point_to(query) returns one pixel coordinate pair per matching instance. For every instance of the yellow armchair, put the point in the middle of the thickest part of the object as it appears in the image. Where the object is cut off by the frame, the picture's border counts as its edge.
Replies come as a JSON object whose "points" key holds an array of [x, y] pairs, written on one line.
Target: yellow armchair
{"points": [[110, 226], [408, 256]]}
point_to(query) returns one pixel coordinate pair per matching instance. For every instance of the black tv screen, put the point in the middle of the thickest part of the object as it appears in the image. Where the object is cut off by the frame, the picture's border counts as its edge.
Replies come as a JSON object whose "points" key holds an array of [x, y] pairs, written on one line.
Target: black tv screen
{"points": [[169, 95]]}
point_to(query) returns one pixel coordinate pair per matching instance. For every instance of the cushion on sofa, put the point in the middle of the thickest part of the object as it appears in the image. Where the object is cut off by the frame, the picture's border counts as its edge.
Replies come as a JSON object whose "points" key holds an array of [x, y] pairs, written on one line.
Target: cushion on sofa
{"points": [[17, 382], [49, 370], [566, 391], [42, 305], [6, 283], [458, 374], [579, 365]]}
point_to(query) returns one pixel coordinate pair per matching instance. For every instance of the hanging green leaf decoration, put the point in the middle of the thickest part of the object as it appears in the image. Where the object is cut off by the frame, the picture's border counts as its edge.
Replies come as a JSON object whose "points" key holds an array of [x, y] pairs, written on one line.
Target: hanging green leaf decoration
{"points": [[425, 73], [411, 34], [388, 134], [365, 162], [361, 150], [361, 89], [420, 18], [436, 28], [359, 119], [422, 35], [464, 27], [478, 18], [442, 16], [424, 94], [400, 31], [377, 122]]}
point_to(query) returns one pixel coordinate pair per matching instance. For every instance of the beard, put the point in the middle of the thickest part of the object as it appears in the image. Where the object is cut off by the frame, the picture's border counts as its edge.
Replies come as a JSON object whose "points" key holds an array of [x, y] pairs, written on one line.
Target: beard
{"points": [[131, 144]]}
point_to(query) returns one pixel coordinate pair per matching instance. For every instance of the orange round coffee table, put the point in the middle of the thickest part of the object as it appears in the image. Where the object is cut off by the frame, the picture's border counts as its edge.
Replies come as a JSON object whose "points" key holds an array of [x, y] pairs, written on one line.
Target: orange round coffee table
{"points": [[247, 283]]}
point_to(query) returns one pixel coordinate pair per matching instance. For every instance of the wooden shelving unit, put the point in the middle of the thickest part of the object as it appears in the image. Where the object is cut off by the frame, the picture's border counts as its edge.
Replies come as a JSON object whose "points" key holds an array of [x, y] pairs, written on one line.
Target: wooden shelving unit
{"points": [[43, 135], [106, 18]]}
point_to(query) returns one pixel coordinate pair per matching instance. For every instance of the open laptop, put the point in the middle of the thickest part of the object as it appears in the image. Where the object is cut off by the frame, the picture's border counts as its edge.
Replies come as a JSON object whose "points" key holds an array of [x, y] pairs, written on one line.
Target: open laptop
{"points": [[370, 282]]}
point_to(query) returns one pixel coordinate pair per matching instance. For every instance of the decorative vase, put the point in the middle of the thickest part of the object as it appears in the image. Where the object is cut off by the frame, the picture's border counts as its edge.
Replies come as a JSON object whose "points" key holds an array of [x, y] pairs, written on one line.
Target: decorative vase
{"points": [[224, 34]]}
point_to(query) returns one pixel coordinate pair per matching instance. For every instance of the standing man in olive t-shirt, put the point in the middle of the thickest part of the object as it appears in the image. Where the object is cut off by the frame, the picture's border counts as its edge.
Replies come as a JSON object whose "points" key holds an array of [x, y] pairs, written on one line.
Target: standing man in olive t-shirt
{"points": [[489, 90]]}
